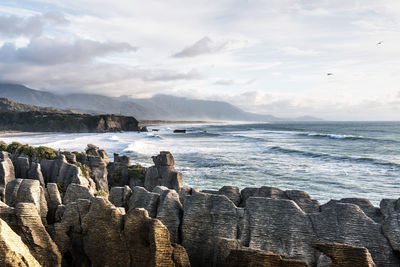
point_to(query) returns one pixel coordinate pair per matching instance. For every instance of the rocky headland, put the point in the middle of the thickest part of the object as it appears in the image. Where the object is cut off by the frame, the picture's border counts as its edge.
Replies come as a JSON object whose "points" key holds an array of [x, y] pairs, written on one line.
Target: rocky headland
{"points": [[28, 118], [81, 209]]}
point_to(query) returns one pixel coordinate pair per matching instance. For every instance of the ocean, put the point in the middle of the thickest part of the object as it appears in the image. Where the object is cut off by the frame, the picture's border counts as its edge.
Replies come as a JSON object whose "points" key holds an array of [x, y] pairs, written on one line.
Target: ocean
{"points": [[329, 160]]}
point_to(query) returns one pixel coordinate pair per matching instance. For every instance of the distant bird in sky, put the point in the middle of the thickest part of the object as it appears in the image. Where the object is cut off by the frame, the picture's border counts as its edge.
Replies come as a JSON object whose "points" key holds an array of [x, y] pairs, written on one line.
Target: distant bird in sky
{"points": [[329, 74], [379, 43]]}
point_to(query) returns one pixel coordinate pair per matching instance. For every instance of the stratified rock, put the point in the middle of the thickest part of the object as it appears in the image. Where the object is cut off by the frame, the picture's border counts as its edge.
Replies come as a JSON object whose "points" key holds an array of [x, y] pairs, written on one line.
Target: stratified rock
{"points": [[169, 211], [231, 192], [249, 258], [13, 252], [136, 175], [343, 255], [165, 158], [98, 167], [7, 172], [61, 172], [119, 196], [222, 249], [264, 191], [186, 191], [365, 205], [27, 191], [26, 222], [206, 217], [141, 198], [347, 223], [153, 247], [75, 192], [179, 256], [279, 226], [390, 209], [68, 233], [53, 201], [70, 157], [304, 200], [35, 173], [102, 240], [118, 171], [163, 173], [22, 166]]}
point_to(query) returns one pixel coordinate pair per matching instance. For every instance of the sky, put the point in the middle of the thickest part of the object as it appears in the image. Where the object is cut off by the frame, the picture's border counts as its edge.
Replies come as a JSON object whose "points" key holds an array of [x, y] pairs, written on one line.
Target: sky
{"points": [[264, 56]]}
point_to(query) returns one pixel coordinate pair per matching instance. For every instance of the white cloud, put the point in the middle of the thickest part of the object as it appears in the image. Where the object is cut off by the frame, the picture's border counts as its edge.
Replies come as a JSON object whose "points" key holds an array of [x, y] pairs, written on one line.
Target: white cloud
{"points": [[48, 51], [294, 51], [30, 26], [201, 47], [280, 49]]}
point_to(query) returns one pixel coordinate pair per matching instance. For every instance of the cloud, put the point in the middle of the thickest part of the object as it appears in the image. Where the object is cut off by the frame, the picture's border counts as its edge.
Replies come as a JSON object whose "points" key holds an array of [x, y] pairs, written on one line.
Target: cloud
{"points": [[14, 26], [169, 75], [294, 51], [201, 47], [97, 78], [231, 82], [48, 51]]}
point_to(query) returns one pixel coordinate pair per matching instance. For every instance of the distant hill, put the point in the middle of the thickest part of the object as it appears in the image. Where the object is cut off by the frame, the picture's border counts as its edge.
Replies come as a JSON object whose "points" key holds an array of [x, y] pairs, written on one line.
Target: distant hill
{"points": [[9, 105], [159, 107]]}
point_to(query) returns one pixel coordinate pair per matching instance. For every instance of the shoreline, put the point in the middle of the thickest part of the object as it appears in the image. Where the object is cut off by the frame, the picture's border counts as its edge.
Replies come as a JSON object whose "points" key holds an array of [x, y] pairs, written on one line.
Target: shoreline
{"points": [[155, 202]]}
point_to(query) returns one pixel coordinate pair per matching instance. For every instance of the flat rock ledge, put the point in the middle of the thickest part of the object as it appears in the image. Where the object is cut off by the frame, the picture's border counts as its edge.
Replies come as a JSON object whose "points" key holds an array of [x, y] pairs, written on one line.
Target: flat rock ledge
{"points": [[83, 210]]}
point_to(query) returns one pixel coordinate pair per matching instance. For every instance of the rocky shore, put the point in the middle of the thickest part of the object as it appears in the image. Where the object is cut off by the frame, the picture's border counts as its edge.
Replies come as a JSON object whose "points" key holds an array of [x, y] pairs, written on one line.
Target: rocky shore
{"points": [[80, 209]]}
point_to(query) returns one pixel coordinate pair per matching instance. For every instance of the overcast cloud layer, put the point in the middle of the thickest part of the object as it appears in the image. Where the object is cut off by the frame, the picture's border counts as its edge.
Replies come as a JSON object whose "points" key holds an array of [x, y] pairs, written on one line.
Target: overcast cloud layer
{"points": [[269, 56]]}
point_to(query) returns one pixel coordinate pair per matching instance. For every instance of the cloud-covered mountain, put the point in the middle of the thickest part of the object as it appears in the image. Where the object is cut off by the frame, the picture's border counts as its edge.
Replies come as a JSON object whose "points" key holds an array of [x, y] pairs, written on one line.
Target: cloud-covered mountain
{"points": [[159, 107]]}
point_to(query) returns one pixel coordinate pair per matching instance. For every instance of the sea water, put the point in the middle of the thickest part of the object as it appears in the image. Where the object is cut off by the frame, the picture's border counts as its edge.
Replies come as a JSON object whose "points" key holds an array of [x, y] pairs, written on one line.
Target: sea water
{"points": [[329, 160]]}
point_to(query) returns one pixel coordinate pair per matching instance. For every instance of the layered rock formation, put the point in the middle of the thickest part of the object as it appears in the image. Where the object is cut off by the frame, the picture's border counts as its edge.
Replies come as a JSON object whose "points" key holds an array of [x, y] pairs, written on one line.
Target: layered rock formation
{"points": [[87, 211]]}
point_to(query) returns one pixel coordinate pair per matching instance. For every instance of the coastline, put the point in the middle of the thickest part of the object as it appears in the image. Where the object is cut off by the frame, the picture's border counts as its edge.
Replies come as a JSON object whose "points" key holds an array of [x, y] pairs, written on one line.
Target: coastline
{"points": [[208, 228]]}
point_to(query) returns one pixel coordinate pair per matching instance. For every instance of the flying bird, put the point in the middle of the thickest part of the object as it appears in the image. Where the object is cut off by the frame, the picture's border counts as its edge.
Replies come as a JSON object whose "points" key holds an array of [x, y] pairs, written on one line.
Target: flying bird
{"points": [[329, 74], [379, 43]]}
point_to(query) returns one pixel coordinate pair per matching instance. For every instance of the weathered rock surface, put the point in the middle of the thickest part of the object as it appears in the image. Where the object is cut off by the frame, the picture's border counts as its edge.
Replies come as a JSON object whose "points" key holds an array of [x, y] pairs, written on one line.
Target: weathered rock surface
{"points": [[26, 222], [248, 257], [119, 196], [163, 173], [347, 223], [7, 172], [35, 173], [169, 211], [118, 171], [97, 161], [279, 226], [68, 233], [343, 255], [390, 209], [27, 191], [61, 172], [141, 198], [75, 192], [133, 239], [365, 205], [53, 201], [207, 217], [13, 252], [186, 191], [153, 248], [231, 192], [302, 199], [21, 166]]}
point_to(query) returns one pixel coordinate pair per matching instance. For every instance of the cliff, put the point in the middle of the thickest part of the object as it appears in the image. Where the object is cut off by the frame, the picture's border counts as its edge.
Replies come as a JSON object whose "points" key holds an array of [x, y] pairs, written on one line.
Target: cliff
{"points": [[80, 209], [55, 122]]}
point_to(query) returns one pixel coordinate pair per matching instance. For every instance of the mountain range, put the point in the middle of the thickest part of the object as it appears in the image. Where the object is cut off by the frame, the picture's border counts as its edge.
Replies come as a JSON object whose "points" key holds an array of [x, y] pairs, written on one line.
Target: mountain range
{"points": [[158, 107]]}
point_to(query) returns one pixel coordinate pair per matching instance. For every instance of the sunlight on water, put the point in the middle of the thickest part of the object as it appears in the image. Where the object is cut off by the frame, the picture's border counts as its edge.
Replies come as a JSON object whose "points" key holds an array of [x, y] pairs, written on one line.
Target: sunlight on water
{"points": [[328, 160]]}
